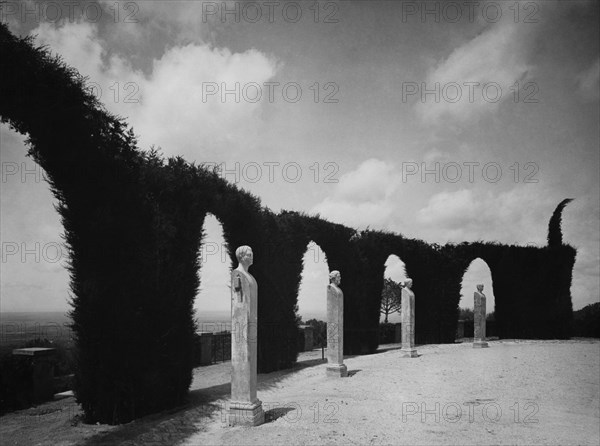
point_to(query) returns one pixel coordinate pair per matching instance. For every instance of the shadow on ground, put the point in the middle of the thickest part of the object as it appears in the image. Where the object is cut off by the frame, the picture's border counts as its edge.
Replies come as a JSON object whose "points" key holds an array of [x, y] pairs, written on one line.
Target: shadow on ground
{"points": [[176, 425]]}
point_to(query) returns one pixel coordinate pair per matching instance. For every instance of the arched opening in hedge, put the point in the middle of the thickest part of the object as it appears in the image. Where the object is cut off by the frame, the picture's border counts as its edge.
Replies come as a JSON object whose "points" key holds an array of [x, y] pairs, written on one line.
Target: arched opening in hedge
{"points": [[477, 272], [312, 295], [395, 270], [212, 304]]}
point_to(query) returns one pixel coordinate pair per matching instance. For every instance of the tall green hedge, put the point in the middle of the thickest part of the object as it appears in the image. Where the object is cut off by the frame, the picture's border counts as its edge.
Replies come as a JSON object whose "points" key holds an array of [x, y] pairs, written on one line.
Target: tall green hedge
{"points": [[133, 226]]}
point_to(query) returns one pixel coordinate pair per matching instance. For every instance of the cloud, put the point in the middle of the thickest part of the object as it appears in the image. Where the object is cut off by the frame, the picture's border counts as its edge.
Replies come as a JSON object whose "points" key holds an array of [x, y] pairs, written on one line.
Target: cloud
{"points": [[519, 215], [588, 82], [493, 60], [166, 106], [165, 109], [363, 197]]}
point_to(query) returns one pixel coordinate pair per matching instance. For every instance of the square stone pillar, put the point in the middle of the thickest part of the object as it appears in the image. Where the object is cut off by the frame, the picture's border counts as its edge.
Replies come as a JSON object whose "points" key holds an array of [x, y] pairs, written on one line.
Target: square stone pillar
{"points": [[335, 332], [408, 324], [244, 408], [42, 360], [479, 313]]}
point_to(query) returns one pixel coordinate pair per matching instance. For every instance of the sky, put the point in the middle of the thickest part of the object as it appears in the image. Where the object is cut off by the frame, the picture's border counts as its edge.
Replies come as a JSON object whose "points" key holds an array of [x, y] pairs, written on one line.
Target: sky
{"points": [[443, 121]]}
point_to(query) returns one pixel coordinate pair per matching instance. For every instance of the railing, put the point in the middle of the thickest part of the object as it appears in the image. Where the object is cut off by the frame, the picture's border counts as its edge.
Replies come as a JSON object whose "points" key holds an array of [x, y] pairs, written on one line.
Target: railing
{"points": [[221, 347]]}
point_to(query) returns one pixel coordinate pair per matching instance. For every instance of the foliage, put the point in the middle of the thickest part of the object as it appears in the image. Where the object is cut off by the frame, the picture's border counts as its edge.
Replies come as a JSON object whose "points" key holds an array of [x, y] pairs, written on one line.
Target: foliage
{"points": [[465, 314], [132, 254], [387, 333], [554, 230], [587, 321], [319, 332], [391, 298], [133, 227]]}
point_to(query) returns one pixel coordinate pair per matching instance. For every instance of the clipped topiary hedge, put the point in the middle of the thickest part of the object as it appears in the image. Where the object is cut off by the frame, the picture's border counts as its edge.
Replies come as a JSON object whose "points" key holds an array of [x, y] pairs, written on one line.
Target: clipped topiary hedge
{"points": [[133, 227]]}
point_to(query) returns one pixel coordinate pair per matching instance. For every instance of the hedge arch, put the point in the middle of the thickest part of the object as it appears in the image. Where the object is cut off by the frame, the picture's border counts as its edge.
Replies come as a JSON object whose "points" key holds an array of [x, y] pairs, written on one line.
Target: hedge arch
{"points": [[214, 258], [314, 260], [133, 227], [487, 286]]}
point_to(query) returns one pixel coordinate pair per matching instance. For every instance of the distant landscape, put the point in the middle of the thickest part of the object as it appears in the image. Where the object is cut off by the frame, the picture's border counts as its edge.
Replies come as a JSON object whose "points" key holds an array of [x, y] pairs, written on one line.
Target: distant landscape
{"points": [[20, 327]]}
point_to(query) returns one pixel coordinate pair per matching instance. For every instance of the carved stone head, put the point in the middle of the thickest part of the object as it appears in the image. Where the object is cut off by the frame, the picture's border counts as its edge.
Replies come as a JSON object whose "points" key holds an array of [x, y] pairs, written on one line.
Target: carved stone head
{"points": [[335, 277], [480, 287], [244, 255], [408, 283]]}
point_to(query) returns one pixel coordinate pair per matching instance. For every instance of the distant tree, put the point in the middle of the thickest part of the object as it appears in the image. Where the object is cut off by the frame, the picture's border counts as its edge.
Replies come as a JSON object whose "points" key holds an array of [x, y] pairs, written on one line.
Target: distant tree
{"points": [[320, 332], [587, 321], [465, 314], [391, 298]]}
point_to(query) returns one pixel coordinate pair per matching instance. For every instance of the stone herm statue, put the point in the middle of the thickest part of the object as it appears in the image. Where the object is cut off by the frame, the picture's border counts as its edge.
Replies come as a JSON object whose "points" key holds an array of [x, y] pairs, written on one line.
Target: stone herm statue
{"points": [[479, 313], [408, 321], [335, 327], [244, 408]]}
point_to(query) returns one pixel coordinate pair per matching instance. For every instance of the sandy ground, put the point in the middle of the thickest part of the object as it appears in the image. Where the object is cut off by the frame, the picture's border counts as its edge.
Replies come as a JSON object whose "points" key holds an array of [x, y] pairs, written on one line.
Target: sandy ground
{"points": [[515, 392]]}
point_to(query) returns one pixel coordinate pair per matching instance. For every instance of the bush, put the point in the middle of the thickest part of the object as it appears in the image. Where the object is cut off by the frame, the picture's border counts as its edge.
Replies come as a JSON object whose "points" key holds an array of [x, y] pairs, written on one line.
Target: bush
{"points": [[587, 321], [319, 332], [387, 333]]}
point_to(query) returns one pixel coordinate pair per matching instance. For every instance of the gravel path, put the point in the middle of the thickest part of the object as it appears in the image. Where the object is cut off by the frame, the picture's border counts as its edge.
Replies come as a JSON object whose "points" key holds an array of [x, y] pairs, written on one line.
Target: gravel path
{"points": [[515, 392]]}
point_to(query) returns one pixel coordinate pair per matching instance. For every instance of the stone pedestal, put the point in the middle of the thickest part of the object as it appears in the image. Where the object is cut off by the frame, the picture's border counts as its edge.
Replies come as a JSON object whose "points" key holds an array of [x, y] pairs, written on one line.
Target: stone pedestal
{"points": [[42, 360], [245, 414], [337, 370], [479, 313], [408, 324], [335, 332], [244, 408]]}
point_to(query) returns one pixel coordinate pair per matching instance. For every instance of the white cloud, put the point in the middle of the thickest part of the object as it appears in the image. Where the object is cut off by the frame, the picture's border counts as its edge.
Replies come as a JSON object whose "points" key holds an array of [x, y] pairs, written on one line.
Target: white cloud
{"points": [[519, 215], [363, 197], [395, 269], [495, 58], [166, 106], [170, 113]]}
